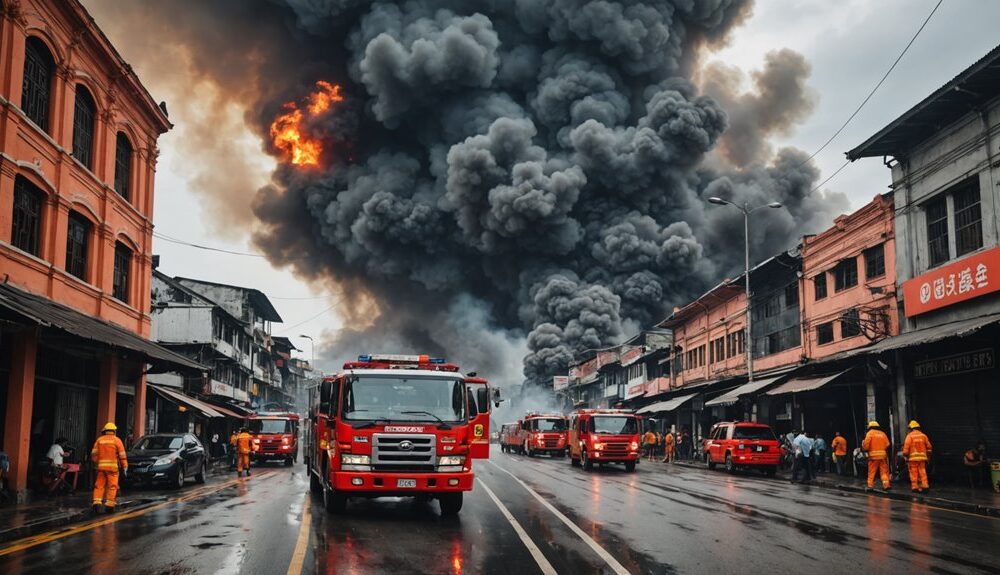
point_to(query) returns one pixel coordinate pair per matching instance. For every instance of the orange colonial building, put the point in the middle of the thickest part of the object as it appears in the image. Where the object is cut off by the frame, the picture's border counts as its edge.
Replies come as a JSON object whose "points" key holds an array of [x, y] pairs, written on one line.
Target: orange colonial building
{"points": [[78, 152], [849, 276]]}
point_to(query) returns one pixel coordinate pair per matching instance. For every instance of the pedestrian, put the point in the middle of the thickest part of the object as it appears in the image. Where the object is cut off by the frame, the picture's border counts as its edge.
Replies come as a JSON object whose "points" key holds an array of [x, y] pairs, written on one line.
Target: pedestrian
{"points": [[668, 447], [975, 463], [688, 451], [650, 440], [820, 448], [839, 446], [803, 446], [232, 450], [108, 455], [659, 443], [877, 445], [917, 450], [244, 445], [214, 447]]}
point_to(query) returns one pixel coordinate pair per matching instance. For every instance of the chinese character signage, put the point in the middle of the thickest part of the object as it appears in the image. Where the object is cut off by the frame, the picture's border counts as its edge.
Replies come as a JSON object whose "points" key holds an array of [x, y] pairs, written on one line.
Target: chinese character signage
{"points": [[978, 360], [963, 280], [560, 382]]}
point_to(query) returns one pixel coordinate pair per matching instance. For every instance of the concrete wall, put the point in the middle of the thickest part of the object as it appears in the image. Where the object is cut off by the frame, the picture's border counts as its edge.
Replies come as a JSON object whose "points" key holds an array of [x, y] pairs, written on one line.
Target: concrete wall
{"points": [[182, 324], [960, 151]]}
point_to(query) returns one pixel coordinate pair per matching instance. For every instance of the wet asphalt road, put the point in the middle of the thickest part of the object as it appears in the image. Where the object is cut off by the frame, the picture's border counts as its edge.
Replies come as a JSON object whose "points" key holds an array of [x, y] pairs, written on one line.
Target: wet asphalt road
{"points": [[679, 520]]}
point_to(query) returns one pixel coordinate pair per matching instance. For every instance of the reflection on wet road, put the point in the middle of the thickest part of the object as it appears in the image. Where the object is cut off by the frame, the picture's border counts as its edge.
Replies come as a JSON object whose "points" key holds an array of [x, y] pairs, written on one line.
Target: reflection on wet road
{"points": [[537, 516]]}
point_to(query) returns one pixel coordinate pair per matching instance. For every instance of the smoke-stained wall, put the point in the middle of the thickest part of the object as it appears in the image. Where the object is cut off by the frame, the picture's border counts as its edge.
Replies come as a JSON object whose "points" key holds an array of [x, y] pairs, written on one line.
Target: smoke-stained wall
{"points": [[505, 179]]}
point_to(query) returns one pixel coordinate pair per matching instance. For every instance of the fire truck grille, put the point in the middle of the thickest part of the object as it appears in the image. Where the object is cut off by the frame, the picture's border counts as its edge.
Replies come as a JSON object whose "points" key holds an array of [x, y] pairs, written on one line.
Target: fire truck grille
{"points": [[551, 443], [616, 448], [401, 452]]}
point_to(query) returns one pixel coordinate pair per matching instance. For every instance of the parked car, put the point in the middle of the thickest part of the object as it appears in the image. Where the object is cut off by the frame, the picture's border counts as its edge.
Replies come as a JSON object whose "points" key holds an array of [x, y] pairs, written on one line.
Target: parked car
{"points": [[743, 445], [167, 458]]}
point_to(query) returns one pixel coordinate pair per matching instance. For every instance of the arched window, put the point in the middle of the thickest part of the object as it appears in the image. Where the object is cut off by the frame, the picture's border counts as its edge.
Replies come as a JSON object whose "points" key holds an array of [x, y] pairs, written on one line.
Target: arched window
{"points": [[37, 82], [27, 217], [77, 244], [123, 265], [123, 165], [84, 112]]}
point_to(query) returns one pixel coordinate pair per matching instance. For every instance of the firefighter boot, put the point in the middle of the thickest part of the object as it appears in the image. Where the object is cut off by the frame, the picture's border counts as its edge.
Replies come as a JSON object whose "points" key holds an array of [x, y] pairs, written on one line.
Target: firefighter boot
{"points": [[97, 508]]}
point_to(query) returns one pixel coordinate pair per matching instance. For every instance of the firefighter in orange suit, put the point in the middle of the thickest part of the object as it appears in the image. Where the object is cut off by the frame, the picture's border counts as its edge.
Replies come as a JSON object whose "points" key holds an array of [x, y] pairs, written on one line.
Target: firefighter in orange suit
{"points": [[877, 445], [916, 450], [243, 445], [107, 454]]}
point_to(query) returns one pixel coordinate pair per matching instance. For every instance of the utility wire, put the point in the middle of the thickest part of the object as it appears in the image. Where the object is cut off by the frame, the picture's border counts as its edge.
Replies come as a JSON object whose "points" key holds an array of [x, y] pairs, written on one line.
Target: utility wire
{"points": [[291, 327], [833, 175], [206, 248], [877, 86]]}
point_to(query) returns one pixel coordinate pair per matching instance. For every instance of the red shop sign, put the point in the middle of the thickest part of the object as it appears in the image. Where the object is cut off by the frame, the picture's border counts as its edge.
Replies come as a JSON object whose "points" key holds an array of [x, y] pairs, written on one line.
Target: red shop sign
{"points": [[969, 278]]}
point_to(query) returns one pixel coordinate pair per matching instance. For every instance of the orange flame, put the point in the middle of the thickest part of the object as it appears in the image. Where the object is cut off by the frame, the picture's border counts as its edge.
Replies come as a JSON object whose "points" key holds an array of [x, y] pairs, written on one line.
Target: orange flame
{"points": [[288, 130]]}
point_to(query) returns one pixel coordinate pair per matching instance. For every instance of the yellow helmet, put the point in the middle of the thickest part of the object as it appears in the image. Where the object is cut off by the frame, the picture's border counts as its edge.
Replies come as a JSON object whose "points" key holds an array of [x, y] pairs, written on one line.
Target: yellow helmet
{"points": [[914, 424], [872, 423], [109, 426]]}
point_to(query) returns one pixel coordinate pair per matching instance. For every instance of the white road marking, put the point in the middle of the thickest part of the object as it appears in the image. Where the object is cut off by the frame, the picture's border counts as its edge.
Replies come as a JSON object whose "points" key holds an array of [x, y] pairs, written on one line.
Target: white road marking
{"points": [[617, 567], [536, 553]]}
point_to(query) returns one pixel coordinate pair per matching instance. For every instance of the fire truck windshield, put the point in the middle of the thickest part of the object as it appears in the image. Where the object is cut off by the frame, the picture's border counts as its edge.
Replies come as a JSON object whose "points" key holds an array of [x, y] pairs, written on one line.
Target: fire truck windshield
{"points": [[549, 424], [394, 399], [270, 426], [613, 425]]}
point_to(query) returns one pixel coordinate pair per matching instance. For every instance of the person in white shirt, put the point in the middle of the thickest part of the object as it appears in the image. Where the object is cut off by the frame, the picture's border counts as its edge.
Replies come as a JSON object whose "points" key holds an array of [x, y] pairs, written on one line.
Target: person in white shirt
{"points": [[57, 452]]}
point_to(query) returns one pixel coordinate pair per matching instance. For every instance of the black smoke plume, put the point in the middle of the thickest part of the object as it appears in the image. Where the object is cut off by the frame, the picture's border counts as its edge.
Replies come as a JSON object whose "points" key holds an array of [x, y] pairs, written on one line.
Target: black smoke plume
{"points": [[510, 179]]}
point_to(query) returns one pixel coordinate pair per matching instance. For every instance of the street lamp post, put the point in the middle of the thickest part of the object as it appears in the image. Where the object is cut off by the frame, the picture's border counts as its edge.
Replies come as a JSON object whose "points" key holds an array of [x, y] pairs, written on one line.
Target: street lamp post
{"points": [[312, 350], [747, 210]]}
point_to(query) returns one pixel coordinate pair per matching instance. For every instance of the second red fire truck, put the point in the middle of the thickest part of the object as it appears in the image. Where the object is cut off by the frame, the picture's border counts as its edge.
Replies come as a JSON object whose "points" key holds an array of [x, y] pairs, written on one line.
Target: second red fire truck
{"points": [[543, 433], [398, 425], [604, 436], [275, 436]]}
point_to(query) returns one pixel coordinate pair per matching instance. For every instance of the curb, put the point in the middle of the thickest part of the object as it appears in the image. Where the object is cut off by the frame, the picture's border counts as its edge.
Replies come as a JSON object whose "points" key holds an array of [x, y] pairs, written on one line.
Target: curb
{"points": [[974, 508], [61, 519]]}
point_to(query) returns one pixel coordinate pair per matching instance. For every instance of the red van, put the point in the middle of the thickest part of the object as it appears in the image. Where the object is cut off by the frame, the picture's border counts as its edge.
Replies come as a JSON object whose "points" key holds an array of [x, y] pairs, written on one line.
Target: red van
{"points": [[742, 445], [604, 436]]}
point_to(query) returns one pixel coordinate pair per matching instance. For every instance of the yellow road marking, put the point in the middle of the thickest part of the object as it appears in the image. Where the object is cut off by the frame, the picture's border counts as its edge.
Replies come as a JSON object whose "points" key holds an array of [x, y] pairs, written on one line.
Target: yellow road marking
{"points": [[299, 555], [43, 538]]}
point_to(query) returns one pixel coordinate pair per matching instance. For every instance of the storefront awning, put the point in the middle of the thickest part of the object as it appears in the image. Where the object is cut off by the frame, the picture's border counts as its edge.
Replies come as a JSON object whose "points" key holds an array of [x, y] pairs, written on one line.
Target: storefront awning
{"points": [[185, 400], [733, 395], [50, 314], [228, 412], [668, 405], [800, 384]]}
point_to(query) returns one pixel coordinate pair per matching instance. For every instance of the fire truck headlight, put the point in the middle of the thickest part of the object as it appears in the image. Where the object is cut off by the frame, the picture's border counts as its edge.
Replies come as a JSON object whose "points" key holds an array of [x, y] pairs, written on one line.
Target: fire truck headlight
{"points": [[284, 440], [351, 459], [451, 460], [634, 445], [598, 446]]}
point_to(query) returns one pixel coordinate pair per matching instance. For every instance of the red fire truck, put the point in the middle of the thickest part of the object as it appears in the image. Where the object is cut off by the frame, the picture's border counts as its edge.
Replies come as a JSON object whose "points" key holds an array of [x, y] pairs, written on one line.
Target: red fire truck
{"points": [[398, 425], [604, 436], [275, 436], [543, 433]]}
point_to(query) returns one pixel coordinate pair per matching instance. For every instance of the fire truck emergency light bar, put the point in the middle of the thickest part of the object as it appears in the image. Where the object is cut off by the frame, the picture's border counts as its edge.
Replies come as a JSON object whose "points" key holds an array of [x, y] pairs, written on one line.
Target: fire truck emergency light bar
{"points": [[400, 358]]}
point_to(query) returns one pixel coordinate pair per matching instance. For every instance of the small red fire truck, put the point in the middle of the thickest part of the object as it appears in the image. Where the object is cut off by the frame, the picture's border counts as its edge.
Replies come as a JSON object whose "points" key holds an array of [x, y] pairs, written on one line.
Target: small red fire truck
{"points": [[275, 436], [396, 426], [543, 433], [604, 436]]}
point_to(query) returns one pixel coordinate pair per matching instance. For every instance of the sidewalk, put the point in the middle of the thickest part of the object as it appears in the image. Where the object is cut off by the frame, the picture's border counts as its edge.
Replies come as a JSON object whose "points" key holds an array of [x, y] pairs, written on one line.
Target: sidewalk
{"points": [[46, 513], [979, 501]]}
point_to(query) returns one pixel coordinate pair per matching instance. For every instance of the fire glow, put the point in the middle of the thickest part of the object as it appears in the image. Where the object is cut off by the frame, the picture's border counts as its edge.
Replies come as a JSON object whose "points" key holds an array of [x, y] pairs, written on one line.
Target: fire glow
{"points": [[288, 131]]}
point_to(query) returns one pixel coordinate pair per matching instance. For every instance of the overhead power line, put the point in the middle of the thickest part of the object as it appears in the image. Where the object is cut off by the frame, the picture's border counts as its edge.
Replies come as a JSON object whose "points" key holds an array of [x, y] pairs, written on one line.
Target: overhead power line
{"points": [[305, 321], [877, 86]]}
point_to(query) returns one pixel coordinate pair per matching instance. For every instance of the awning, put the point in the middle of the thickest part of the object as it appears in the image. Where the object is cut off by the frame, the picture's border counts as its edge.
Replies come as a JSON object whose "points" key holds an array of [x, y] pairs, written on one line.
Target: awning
{"points": [[51, 314], [800, 384], [185, 400], [923, 336], [228, 412], [668, 405], [733, 395]]}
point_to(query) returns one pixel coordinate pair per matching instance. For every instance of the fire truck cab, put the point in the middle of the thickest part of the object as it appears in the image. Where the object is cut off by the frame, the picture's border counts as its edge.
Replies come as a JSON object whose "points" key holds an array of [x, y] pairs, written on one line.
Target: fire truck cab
{"points": [[396, 426], [604, 436], [543, 433], [275, 436], [510, 437]]}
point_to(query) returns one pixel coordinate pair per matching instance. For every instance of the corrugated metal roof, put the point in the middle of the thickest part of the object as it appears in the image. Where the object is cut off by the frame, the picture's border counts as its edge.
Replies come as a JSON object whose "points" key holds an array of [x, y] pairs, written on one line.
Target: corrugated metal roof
{"points": [[51, 314], [668, 405], [967, 91], [733, 395], [800, 384], [179, 397], [923, 336]]}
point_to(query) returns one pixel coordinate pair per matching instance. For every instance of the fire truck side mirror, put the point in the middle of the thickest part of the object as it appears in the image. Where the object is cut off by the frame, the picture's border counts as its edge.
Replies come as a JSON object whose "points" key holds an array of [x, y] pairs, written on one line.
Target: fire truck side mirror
{"points": [[495, 391], [483, 398]]}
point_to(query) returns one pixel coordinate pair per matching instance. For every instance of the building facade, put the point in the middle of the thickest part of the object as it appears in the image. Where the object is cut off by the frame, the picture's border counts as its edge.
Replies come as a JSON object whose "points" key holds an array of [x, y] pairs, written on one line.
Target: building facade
{"points": [[78, 151], [943, 158]]}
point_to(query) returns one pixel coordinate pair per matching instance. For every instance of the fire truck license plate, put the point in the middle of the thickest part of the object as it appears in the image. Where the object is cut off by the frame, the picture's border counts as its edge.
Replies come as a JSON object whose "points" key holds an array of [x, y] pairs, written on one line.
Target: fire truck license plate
{"points": [[409, 483]]}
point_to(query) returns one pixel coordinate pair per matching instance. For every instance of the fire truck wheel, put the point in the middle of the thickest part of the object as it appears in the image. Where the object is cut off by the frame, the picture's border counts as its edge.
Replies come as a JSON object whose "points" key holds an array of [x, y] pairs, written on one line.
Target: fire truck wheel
{"points": [[630, 466], [587, 463], [314, 485], [288, 462], [771, 470], [562, 454], [574, 462], [334, 502], [526, 449], [451, 503]]}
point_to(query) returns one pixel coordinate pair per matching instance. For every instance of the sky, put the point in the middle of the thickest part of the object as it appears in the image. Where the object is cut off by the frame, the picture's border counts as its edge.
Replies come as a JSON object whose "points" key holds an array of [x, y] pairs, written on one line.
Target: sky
{"points": [[849, 44]]}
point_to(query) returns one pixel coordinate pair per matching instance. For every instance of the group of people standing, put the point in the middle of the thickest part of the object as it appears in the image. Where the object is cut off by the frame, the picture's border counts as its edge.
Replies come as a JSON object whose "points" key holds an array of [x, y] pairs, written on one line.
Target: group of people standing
{"points": [[667, 446], [809, 455]]}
